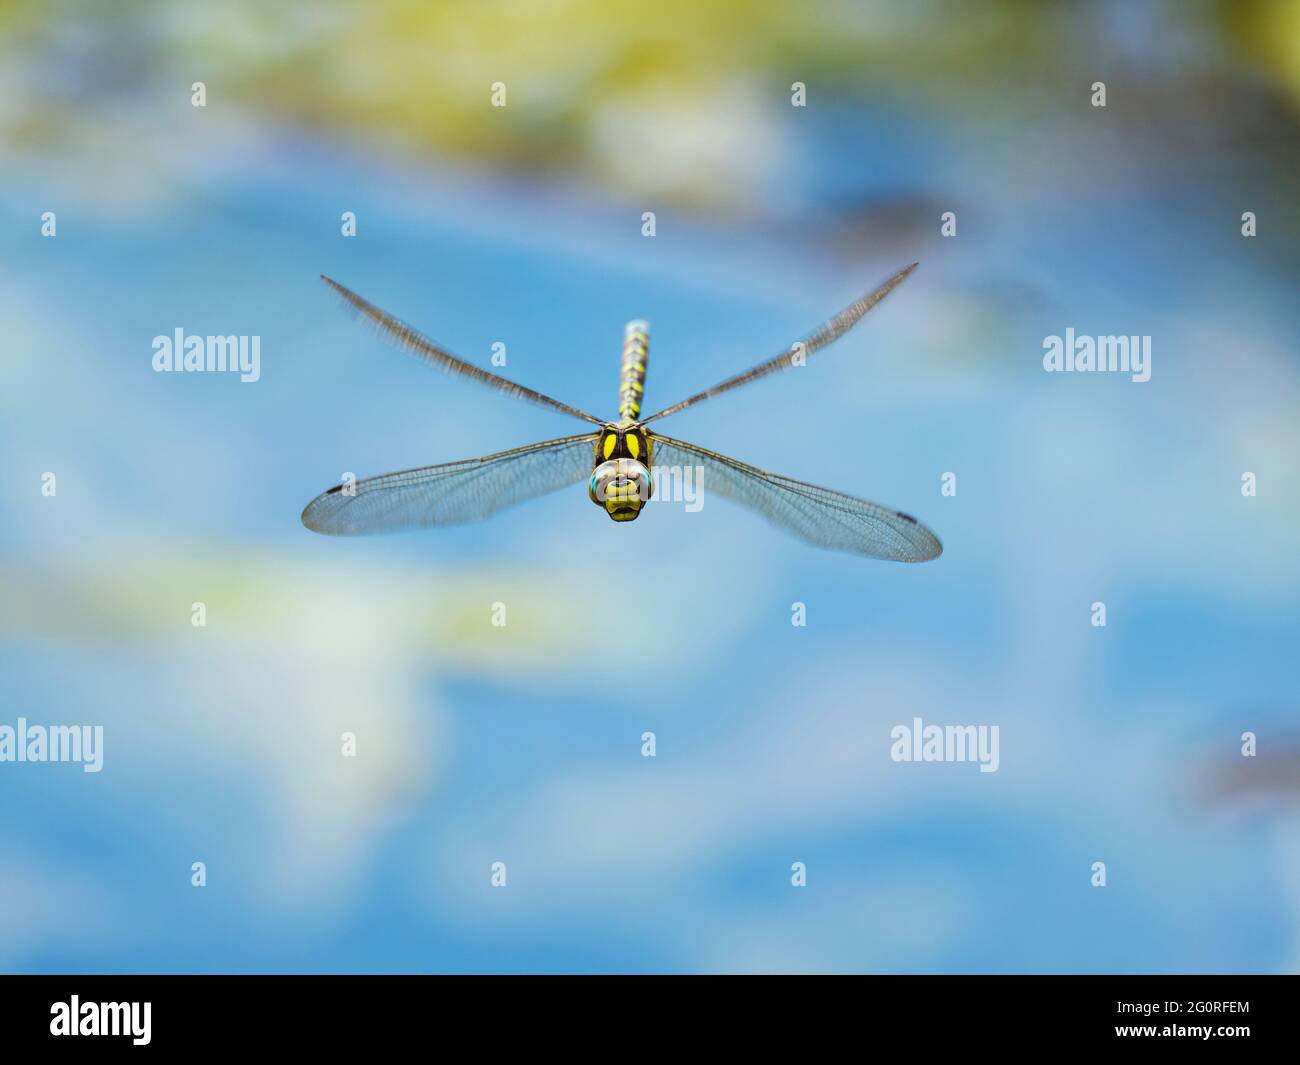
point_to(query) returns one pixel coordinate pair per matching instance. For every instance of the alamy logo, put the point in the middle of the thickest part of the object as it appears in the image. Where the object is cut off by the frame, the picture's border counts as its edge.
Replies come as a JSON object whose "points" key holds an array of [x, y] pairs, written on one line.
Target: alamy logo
{"points": [[680, 484], [1087, 354], [57, 743], [195, 354], [667, 484], [946, 743], [102, 1018]]}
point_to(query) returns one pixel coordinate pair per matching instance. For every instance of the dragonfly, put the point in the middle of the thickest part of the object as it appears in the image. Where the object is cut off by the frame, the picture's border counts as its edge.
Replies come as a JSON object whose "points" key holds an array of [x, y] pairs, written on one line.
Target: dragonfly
{"points": [[617, 459]]}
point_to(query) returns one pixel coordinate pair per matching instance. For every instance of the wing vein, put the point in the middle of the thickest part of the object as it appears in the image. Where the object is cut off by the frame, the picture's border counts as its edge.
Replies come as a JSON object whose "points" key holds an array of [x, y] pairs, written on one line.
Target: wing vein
{"points": [[818, 515], [451, 493], [410, 339], [827, 334]]}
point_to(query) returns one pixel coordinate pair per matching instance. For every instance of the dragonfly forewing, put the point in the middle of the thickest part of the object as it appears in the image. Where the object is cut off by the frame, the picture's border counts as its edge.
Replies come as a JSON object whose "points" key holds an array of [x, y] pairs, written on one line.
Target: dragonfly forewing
{"points": [[827, 334], [410, 339]]}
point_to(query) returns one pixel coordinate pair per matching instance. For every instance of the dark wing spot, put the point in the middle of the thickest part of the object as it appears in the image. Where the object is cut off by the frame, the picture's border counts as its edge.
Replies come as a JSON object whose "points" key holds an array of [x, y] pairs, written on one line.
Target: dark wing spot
{"points": [[905, 517]]}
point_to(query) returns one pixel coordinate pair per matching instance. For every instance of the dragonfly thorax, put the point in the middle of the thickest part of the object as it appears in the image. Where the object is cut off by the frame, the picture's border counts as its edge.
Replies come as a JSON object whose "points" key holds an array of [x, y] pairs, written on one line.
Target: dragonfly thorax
{"points": [[621, 481]]}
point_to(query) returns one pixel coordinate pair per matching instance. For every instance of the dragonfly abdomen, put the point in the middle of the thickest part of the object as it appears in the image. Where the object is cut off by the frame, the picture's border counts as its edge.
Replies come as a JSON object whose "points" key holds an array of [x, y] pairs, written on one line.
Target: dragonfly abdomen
{"points": [[636, 346]]}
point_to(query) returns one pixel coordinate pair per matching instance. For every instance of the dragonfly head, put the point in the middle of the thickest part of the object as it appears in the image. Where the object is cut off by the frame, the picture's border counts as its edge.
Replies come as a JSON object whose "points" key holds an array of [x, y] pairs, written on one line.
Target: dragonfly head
{"points": [[621, 486], [621, 481]]}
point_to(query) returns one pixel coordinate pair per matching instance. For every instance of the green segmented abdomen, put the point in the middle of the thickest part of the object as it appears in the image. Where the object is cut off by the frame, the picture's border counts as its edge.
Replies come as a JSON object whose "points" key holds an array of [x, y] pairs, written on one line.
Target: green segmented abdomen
{"points": [[636, 347]]}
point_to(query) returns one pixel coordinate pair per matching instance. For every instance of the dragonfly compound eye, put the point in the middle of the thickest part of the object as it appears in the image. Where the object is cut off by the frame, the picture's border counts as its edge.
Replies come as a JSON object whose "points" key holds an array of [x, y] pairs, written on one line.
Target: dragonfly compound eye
{"points": [[621, 486]]}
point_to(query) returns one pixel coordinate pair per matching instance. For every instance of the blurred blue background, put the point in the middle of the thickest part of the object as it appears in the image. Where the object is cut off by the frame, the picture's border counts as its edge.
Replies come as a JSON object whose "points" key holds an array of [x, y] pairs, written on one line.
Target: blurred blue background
{"points": [[522, 225]]}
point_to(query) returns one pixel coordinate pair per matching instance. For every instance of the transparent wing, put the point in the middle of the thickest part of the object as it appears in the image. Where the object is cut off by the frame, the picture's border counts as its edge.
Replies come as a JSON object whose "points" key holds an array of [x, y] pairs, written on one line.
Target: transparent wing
{"points": [[452, 493], [401, 334], [818, 515], [829, 332]]}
